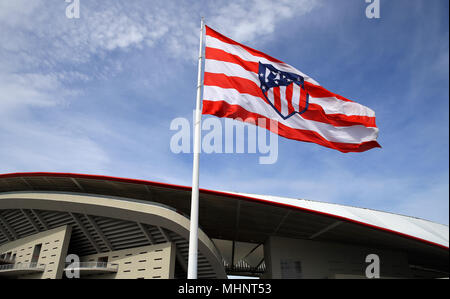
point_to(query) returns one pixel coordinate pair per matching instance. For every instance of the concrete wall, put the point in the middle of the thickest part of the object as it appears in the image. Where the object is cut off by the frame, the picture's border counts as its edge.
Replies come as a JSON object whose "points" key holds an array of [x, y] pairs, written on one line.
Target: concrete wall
{"points": [[149, 262], [55, 243], [313, 259]]}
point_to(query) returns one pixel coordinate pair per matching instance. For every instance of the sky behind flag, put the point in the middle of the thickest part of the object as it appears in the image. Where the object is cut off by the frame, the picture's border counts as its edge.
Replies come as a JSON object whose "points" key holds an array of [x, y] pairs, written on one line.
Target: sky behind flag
{"points": [[97, 94]]}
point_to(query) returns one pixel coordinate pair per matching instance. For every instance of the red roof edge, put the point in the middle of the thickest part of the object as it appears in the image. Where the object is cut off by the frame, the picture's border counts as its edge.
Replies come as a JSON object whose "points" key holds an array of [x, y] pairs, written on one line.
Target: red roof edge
{"points": [[213, 192]]}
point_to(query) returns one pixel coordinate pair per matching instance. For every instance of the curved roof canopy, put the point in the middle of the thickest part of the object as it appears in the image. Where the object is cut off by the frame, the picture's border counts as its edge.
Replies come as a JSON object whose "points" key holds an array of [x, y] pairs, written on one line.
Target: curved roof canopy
{"points": [[254, 218]]}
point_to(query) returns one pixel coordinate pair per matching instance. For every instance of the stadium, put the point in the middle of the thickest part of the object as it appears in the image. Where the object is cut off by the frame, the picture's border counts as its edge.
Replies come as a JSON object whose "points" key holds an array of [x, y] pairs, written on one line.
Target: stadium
{"points": [[127, 228]]}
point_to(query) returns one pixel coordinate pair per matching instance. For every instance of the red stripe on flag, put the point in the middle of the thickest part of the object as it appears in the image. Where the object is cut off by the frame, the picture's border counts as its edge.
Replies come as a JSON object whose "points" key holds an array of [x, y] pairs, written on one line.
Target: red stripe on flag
{"points": [[316, 113], [240, 84], [215, 34], [221, 55], [223, 109], [277, 98], [317, 91], [289, 92], [303, 98]]}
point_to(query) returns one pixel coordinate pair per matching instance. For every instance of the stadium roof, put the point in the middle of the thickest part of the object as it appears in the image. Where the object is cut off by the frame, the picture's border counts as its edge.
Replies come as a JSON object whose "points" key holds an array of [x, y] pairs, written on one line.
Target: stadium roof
{"points": [[254, 218]]}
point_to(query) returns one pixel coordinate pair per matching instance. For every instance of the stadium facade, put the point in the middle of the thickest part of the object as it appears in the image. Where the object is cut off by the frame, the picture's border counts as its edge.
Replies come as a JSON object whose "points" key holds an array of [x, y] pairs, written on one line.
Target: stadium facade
{"points": [[107, 227]]}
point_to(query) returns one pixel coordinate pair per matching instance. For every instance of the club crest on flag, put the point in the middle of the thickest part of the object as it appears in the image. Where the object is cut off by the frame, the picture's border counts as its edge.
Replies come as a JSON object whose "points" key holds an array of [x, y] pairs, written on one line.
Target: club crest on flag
{"points": [[284, 91]]}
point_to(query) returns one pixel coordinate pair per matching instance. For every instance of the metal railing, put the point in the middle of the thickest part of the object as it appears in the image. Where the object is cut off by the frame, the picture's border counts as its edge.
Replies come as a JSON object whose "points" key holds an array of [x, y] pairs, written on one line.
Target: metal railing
{"points": [[92, 265], [4, 261], [242, 266], [22, 266]]}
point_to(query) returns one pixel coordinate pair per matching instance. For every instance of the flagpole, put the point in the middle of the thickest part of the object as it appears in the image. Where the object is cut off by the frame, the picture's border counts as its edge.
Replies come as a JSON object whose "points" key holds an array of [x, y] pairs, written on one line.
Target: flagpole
{"points": [[193, 233]]}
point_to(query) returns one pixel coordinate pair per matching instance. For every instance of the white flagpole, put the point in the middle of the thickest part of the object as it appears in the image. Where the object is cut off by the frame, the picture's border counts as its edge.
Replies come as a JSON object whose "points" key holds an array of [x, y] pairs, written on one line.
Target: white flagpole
{"points": [[193, 233]]}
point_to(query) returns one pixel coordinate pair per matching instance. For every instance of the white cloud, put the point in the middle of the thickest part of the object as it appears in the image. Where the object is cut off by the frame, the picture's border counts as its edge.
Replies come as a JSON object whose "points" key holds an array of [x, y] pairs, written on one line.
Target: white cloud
{"points": [[250, 20], [42, 51], [18, 13], [38, 34], [30, 145]]}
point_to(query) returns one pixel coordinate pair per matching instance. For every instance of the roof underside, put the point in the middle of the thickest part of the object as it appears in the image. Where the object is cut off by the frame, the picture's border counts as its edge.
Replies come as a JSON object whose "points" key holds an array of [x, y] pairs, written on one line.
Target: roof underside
{"points": [[239, 218]]}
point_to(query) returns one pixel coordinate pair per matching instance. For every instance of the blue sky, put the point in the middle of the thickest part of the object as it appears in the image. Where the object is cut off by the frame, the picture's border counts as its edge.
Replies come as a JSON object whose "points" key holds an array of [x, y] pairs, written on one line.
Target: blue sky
{"points": [[97, 94]]}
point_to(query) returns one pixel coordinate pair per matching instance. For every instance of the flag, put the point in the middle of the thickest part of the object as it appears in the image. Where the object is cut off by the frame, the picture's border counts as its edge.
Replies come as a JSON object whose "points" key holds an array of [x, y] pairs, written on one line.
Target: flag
{"points": [[246, 84]]}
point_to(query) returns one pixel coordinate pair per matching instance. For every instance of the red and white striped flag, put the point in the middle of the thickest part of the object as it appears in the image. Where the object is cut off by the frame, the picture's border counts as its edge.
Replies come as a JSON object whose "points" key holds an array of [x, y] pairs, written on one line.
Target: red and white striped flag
{"points": [[243, 83]]}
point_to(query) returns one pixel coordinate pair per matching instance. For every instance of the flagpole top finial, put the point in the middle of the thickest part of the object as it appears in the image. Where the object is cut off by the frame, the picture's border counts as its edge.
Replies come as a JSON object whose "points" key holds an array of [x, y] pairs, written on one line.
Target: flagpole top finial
{"points": [[203, 22]]}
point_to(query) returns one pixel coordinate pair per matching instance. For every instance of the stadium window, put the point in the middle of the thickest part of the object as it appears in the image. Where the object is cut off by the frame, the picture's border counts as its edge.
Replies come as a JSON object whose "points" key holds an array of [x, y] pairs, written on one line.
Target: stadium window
{"points": [[102, 261], [36, 253]]}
